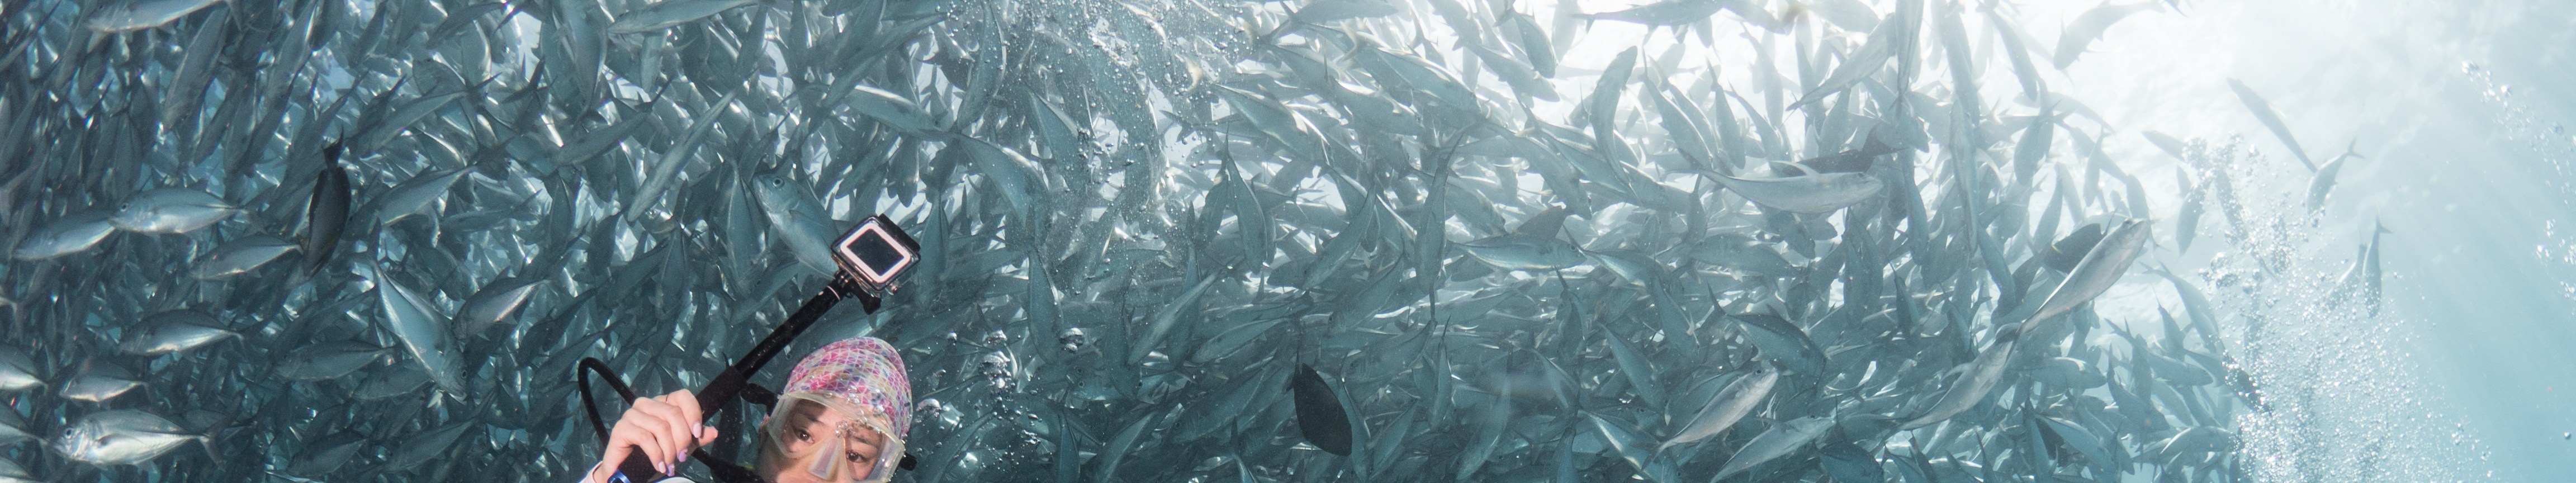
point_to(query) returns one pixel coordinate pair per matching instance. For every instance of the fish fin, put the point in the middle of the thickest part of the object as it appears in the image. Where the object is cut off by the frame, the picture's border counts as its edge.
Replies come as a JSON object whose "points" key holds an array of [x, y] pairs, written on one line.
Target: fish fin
{"points": [[208, 443], [1803, 170], [1545, 223]]}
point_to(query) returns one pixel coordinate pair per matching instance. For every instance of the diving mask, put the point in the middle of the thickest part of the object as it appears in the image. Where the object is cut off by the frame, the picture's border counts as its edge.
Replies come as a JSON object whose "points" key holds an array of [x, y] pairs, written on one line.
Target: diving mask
{"points": [[828, 450]]}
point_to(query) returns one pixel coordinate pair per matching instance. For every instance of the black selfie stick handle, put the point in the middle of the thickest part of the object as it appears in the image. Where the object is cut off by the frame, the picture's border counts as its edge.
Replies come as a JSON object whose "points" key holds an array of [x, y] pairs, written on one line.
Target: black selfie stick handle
{"points": [[711, 399]]}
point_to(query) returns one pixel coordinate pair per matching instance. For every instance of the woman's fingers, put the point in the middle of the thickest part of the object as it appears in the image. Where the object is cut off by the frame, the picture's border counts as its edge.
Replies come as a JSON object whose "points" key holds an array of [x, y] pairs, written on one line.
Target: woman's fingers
{"points": [[690, 428], [641, 428], [679, 433], [663, 429], [608, 461], [688, 404]]}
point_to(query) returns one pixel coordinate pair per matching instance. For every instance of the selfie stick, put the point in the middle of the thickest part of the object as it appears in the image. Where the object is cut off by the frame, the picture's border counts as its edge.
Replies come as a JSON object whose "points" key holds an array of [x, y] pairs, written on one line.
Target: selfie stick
{"points": [[870, 257]]}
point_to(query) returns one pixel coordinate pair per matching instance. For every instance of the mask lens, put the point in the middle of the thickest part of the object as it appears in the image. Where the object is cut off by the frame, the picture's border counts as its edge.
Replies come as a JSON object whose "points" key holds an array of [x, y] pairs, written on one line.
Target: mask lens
{"points": [[886, 458], [827, 457], [833, 458], [830, 449]]}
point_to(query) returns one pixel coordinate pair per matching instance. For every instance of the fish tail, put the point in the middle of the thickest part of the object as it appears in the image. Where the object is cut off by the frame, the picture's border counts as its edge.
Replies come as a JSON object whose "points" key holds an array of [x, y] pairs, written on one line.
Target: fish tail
{"points": [[208, 442]]}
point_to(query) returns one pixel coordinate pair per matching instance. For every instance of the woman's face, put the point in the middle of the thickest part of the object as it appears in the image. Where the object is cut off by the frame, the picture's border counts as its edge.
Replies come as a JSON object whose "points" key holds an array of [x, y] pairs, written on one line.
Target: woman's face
{"points": [[810, 430]]}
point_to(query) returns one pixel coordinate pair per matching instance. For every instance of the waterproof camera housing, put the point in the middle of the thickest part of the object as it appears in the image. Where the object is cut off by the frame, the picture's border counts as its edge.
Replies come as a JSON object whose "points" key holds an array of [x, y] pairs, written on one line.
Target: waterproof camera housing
{"points": [[874, 253]]}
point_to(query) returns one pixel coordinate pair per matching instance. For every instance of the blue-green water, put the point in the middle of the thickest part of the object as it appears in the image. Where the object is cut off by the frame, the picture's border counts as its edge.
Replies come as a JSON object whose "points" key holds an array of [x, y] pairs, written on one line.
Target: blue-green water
{"points": [[1518, 241]]}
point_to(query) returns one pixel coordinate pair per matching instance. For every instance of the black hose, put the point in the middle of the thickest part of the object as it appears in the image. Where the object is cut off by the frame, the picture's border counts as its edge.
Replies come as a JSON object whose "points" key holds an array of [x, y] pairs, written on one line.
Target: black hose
{"points": [[590, 365]]}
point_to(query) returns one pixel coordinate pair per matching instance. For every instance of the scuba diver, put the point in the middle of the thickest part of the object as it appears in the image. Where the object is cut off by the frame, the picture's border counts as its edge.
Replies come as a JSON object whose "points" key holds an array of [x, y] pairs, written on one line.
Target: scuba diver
{"points": [[841, 419]]}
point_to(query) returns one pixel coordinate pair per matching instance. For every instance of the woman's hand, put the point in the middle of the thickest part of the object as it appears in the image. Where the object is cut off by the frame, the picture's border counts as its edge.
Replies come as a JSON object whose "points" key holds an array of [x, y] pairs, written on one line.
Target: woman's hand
{"points": [[663, 428]]}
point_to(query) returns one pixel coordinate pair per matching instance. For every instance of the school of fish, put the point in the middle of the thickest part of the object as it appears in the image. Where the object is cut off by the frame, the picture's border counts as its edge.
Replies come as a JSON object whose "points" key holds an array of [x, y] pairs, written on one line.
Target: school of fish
{"points": [[1200, 240]]}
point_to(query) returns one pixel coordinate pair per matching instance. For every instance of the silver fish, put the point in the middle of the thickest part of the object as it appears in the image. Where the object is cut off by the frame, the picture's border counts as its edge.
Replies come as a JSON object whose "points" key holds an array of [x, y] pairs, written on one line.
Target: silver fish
{"points": [[99, 383], [239, 256], [174, 331], [667, 169], [143, 14], [598, 141], [1730, 405], [2360, 283], [328, 360], [1525, 252], [73, 233], [2101, 267], [321, 458], [1979, 378], [410, 319], [18, 369], [1809, 192], [1668, 12], [171, 210], [2089, 26], [2067, 372], [122, 437], [889, 108], [2076, 437], [2323, 182], [1022, 181], [12, 430], [796, 218], [194, 71], [1744, 255], [2263, 112], [1782, 439], [497, 301], [11, 473], [1167, 318], [1522, 77], [2176, 371], [1782, 340], [1321, 11], [425, 446], [383, 129], [1869, 59], [390, 381], [662, 15], [1525, 33], [415, 194]]}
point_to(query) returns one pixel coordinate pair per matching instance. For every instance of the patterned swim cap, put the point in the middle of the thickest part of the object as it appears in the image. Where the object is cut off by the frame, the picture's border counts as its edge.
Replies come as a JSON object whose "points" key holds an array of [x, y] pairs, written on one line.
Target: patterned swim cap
{"points": [[864, 372]]}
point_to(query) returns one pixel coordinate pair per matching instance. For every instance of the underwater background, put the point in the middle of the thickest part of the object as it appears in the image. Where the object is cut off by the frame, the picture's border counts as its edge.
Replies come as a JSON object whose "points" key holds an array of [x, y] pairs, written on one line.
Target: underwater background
{"points": [[1216, 240]]}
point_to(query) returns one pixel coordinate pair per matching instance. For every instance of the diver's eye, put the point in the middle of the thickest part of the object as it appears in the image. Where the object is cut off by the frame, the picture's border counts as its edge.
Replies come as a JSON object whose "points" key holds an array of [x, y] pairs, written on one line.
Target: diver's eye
{"points": [[802, 435], [855, 458]]}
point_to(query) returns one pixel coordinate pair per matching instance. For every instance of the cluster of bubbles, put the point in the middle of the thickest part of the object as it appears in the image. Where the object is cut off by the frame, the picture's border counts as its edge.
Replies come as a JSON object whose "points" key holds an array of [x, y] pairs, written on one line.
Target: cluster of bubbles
{"points": [[2344, 402]]}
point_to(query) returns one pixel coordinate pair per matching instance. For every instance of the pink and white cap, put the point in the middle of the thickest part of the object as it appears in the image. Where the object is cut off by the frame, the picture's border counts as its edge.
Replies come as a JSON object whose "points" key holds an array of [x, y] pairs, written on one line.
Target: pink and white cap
{"points": [[864, 373]]}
